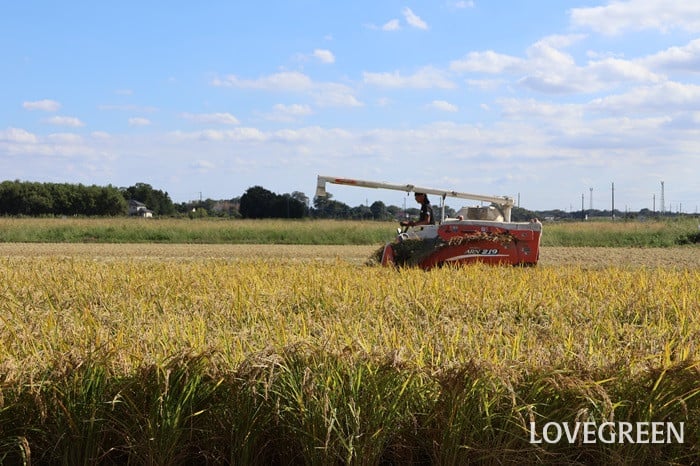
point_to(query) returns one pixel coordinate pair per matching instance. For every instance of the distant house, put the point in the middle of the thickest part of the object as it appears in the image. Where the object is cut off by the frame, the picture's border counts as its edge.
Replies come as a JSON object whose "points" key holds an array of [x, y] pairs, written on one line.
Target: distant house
{"points": [[139, 209]]}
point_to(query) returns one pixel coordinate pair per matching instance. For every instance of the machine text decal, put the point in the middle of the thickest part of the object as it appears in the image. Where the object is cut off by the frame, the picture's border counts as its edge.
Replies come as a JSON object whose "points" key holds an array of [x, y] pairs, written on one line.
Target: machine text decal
{"points": [[481, 252]]}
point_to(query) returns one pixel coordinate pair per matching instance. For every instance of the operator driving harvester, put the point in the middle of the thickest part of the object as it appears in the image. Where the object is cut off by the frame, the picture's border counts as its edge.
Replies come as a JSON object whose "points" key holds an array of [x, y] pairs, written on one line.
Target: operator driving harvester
{"points": [[478, 234]]}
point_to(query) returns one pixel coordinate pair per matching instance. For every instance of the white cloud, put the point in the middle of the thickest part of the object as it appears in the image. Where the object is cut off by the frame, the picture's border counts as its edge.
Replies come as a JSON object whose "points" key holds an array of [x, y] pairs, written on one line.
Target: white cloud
{"points": [[237, 134], [325, 56], [635, 15], [294, 109], [326, 94], [443, 105], [128, 108], [545, 53], [394, 24], [684, 58], [552, 71], [414, 20], [463, 4], [211, 118], [487, 62], [139, 121], [527, 109], [665, 98], [45, 105], [561, 41], [65, 121], [617, 70], [484, 84], [17, 141], [532, 144], [284, 81], [391, 25], [335, 95], [312, 135], [202, 166], [547, 68], [17, 135], [64, 138], [425, 78], [289, 113], [100, 135]]}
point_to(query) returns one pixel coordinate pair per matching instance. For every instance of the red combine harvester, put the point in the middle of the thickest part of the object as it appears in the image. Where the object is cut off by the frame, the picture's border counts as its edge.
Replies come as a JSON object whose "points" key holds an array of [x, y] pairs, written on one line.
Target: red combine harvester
{"points": [[478, 234]]}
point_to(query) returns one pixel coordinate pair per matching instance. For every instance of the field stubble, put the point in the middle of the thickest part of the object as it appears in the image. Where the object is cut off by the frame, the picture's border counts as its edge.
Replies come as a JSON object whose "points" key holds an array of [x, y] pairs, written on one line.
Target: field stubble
{"points": [[681, 256]]}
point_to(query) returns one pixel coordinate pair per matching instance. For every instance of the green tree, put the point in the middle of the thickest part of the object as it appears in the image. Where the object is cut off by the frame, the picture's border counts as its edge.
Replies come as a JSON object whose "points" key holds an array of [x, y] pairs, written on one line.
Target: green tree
{"points": [[361, 212], [33, 198], [111, 202], [257, 202], [11, 198], [286, 206], [326, 207], [156, 200], [379, 210], [37, 199], [301, 197]]}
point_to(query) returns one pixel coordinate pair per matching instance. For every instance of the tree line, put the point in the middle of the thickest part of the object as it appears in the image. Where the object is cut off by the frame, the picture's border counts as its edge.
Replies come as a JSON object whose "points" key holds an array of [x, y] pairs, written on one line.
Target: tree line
{"points": [[25, 198], [22, 198], [258, 202], [53, 199], [37, 199]]}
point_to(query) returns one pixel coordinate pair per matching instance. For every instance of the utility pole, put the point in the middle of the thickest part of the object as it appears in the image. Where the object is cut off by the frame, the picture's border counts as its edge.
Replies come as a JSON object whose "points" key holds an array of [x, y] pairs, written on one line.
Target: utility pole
{"points": [[612, 212], [663, 204], [583, 212]]}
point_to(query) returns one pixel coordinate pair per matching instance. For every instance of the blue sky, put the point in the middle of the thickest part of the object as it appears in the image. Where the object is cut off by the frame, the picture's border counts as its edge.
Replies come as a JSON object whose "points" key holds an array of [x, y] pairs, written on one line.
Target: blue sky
{"points": [[541, 99]]}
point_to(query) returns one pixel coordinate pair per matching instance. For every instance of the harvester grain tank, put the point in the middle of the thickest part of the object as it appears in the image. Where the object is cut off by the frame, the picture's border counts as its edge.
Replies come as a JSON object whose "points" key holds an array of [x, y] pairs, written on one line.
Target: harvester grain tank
{"points": [[478, 234]]}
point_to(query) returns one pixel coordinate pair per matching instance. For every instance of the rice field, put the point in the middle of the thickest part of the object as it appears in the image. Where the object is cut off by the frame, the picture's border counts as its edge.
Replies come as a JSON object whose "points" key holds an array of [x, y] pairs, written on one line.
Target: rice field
{"points": [[597, 257], [282, 354]]}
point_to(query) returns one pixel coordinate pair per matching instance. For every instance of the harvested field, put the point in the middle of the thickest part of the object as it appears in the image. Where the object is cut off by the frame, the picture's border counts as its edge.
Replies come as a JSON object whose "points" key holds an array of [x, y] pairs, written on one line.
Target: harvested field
{"points": [[682, 256]]}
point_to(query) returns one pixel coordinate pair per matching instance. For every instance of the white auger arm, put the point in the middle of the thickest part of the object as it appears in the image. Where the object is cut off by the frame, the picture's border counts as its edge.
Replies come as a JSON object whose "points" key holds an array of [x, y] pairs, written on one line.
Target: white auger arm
{"points": [[504, 202]]}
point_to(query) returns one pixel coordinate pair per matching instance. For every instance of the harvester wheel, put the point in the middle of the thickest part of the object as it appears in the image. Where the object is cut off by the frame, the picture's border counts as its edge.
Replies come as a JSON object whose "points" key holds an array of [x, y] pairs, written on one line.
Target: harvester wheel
{"points": [[388, 255]]}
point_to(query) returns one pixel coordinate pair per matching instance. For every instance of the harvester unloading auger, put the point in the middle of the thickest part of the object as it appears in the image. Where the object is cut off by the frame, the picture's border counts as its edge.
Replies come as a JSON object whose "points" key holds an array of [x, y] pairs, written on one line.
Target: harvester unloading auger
{"points": [[478, 234]]}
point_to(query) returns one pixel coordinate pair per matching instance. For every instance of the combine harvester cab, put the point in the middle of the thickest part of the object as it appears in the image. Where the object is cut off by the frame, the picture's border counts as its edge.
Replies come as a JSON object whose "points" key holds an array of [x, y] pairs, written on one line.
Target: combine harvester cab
{"points": [[478, 234]]}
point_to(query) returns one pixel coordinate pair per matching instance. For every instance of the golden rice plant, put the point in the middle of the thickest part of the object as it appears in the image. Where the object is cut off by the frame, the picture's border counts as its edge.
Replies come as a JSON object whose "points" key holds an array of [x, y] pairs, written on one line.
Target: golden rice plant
{"points": [[256, 361]]}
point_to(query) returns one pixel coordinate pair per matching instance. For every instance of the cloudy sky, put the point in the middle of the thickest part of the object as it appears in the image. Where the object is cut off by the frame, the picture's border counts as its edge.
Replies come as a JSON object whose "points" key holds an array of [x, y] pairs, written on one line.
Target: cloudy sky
{"points": [[540, 99]]}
